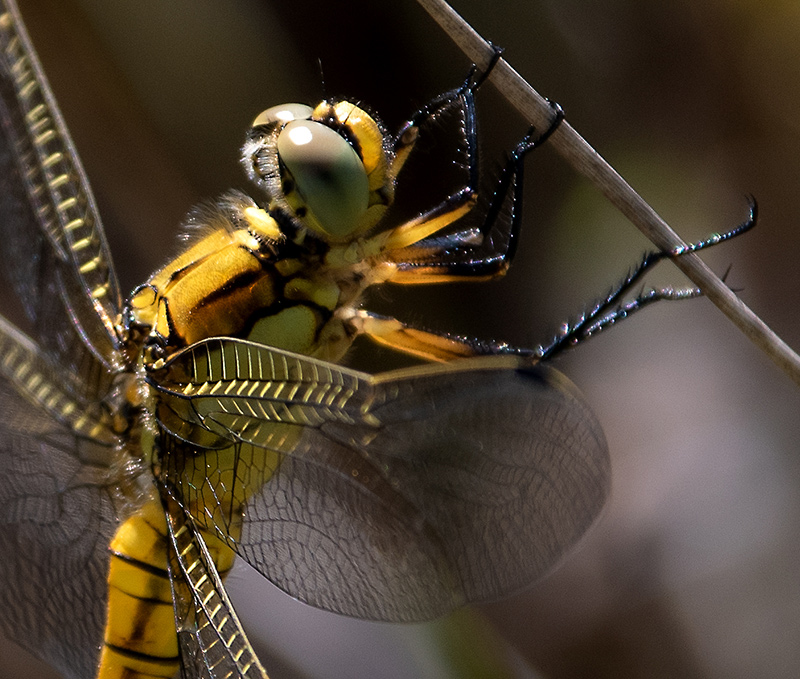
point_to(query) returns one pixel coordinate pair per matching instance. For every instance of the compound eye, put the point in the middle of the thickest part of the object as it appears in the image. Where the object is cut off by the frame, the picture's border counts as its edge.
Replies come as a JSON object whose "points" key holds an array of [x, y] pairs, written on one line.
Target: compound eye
{"points": [[283, 114], [328, 175]]}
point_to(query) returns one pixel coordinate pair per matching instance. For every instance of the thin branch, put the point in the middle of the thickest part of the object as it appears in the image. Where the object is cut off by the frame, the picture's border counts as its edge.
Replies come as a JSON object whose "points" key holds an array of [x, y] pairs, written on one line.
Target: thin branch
{"points": [[585, 160]]}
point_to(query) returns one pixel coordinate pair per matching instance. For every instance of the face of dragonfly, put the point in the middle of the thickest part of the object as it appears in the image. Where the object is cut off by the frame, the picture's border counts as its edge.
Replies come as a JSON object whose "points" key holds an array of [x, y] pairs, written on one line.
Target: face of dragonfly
{"points": [[147, 442]]}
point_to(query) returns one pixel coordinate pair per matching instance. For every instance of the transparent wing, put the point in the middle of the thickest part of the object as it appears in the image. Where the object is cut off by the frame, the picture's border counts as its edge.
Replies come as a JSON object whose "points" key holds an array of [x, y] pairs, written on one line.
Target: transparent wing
{"points": [[395, 497], [56, 514], [213, 644], [51, 240]]}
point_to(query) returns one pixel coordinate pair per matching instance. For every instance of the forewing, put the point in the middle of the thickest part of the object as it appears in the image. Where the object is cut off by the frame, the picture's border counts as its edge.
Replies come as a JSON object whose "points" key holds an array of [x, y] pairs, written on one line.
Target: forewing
{"points": [[56, 514], [399, 497], [54, 252]]}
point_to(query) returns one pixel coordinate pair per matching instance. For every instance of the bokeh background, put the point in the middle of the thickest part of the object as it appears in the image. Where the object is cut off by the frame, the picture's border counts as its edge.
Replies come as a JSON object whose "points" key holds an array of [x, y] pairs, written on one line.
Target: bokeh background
{"points": [[691, 570]]}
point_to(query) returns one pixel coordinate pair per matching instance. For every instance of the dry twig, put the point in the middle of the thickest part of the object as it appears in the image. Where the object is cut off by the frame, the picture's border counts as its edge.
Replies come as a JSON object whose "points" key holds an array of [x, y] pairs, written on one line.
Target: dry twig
{"points": [[583, 158]]}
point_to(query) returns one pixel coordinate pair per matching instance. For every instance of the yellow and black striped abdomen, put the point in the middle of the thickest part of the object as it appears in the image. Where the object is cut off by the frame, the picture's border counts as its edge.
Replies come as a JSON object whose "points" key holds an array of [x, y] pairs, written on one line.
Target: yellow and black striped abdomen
{"points": [[140, 639]]}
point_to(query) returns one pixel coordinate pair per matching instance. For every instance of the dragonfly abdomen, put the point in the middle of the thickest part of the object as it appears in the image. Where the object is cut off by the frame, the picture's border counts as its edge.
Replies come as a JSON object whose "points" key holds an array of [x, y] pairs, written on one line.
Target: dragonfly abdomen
{"points": [[140, 640]]}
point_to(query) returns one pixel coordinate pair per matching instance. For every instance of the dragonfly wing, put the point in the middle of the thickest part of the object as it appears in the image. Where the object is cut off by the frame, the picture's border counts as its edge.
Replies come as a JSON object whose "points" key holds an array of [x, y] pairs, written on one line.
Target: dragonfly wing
{"points": [[56, 516], [334, 533], [52, 243], [395, 497], [510, 466], [213, 644], [473, 485]]}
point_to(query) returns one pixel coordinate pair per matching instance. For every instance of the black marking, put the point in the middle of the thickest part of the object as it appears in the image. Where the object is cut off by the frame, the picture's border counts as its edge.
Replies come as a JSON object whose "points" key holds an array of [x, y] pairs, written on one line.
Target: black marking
{"points": [[144, 657], [242, 280], [141, 565], [168, 316], [343, 127]]}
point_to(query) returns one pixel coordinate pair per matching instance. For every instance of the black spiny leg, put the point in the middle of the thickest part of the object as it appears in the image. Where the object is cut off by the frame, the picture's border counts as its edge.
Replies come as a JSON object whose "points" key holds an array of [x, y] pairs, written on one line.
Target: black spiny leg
{"points": [[437, 346], [485, 251], [612, 309]]}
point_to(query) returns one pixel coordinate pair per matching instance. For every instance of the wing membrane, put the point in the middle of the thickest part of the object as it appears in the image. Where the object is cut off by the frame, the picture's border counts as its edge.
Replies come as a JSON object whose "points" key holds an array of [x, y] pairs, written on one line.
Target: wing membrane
{"points": [[54, 251], [401, 496], [213, 643], [56, 513], [236, 390]]}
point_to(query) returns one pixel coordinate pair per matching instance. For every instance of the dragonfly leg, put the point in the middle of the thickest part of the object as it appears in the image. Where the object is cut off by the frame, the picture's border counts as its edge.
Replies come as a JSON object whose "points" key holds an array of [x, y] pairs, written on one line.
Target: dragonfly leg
{"points": [[424, 344], [613, 308], [475, 253]]}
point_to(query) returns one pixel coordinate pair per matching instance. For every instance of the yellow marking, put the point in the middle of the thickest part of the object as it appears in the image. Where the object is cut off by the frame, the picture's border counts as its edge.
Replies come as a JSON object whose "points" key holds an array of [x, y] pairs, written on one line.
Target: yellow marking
{"points": [[53, 159], [90, 265], [141, 625], [181, 531], [324, 294], [199, 252], [81, 244], [196, 307], [144, 298], [80, 423], [366, 131], [41, 124], [59, 181], [30, 87], [142, 536], [293, 329], [288, 267], [421, 227], [162, 320], [35, 112], [392, 333], [44, 137], [140, 637], [421, 276], [100, 291], [130, 578], [116, 665], [27, 87], [260, 221], [74, 224]]}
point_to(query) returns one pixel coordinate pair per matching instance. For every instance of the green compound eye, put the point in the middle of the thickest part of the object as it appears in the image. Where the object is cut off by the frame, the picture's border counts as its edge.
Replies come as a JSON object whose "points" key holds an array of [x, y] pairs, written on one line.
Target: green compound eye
{"points": [[328, 174], [283, 114]]}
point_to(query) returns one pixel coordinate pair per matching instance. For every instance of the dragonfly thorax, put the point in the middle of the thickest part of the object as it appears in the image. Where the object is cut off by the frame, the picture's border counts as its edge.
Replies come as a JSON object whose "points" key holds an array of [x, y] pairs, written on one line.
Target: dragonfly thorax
{"points": [[247, 277]]}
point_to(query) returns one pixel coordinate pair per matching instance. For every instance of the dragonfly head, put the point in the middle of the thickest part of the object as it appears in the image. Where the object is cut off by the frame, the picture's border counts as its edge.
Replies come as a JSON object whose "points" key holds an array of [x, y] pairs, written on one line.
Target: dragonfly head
{"points": [[328, 167]]}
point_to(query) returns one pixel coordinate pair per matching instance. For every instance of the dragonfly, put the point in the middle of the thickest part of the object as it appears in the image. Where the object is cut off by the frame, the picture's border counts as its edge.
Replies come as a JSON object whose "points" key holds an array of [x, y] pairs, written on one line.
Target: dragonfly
{"points": [[147, 442]]}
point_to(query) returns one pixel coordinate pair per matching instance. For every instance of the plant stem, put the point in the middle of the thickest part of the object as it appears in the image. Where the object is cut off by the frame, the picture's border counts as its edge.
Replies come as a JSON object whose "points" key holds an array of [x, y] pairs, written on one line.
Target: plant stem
{"points": [[585, 160]]}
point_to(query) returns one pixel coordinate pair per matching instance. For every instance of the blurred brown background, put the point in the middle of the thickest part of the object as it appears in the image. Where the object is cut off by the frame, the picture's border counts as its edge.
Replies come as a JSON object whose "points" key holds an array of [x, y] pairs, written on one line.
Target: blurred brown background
{"points": [[692, 569]]}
